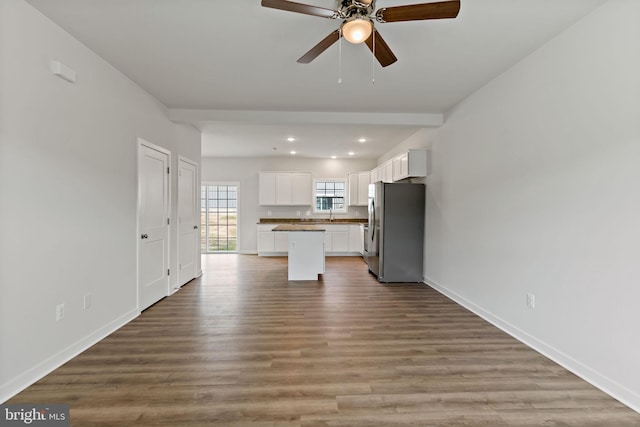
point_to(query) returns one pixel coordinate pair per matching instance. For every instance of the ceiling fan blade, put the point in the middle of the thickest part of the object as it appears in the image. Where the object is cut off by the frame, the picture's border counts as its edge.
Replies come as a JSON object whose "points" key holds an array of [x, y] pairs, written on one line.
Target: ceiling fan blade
{"points": [[419, 12], [381, 50], [320, 47], [300, 8]]}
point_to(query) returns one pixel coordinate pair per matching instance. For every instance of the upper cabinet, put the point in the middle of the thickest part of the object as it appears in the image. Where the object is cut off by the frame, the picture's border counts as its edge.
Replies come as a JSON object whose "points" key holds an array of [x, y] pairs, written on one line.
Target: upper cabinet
{"points": [[387, 174], [412, 164], [358, 188], [383, 172], [302, 189], [285, 188], [267, 188]]}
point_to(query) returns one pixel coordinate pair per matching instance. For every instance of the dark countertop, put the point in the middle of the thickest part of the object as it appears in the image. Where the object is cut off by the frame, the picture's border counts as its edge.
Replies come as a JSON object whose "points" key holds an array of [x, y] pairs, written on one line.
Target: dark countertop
{"points": [[298, 227], [312, 221]]}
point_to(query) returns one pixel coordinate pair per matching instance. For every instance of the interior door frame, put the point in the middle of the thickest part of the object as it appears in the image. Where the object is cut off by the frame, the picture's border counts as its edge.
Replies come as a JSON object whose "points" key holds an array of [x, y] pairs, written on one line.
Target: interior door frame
{"points": [[197, 208], [144, 143]]}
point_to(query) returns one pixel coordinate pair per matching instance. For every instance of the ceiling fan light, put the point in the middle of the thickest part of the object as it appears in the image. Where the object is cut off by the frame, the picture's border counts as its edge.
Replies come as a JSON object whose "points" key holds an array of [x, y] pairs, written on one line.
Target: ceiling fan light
{"points": [[357, 30]]}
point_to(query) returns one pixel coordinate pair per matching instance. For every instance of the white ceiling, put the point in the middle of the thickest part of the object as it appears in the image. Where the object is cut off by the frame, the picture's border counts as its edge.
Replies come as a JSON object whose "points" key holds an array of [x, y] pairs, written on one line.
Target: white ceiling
{"points": [[229, 67]]}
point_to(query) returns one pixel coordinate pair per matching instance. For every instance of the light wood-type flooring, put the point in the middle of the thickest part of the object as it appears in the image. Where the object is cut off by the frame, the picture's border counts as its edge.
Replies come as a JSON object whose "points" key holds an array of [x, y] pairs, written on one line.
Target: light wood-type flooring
{"points": [[242, 346]]}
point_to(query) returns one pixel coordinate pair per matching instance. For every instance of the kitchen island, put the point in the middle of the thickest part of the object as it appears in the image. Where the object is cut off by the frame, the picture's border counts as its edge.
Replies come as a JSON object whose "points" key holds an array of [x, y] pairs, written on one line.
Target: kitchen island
{"points": [[306, 250]]}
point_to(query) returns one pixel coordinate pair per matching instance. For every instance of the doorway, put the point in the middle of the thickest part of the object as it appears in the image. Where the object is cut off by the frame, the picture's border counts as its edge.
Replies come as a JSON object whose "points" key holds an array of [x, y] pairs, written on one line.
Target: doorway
{"points": [[219, 217]]}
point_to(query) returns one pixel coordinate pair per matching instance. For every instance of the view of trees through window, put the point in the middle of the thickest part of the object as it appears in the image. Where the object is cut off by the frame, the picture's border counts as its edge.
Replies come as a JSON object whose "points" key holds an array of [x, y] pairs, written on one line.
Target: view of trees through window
{"points": [[219, 218]]}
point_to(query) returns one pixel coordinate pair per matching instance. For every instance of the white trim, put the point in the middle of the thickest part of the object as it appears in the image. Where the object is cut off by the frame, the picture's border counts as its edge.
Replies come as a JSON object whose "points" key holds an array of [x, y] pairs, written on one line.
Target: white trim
{"points": [[238, 210], [612, 388], [29, 377], [346, 195]]}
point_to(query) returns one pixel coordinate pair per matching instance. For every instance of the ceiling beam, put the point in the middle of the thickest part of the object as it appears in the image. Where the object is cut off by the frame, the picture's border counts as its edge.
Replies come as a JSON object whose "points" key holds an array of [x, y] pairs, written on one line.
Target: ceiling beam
{"points": [[200, 118]]}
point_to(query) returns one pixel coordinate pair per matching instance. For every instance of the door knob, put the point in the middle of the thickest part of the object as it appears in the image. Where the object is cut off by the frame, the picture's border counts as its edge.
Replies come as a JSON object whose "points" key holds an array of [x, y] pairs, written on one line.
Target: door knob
{"points": [[144, 236], [195, 227]]}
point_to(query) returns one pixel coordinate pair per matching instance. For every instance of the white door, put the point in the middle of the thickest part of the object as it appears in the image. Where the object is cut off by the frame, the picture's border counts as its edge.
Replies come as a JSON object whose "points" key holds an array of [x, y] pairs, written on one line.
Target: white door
{"points": [[188, 221], [153, 224]]}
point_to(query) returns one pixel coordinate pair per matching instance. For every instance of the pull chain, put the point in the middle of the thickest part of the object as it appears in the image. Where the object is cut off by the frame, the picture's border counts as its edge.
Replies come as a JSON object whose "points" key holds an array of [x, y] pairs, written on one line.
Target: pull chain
{"points": [[373, 58]]}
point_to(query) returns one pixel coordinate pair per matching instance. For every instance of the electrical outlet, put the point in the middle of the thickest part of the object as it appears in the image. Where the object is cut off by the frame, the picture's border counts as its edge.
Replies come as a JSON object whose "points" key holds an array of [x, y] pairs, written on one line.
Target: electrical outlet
{"points": [[531, 301], [59, 312], [87, 302], [269, 213], [297, 213], [308, 213]]}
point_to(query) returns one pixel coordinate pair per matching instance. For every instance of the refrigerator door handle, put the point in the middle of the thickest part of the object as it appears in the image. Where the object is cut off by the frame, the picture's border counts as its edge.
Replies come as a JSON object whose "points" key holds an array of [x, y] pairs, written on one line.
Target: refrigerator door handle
{"points": [[373, 217]]}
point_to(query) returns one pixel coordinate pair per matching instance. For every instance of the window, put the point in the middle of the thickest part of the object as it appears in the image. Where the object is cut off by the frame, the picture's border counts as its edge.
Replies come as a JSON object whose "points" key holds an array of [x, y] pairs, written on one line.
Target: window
{"points": [[219, 218], [330, 195]]}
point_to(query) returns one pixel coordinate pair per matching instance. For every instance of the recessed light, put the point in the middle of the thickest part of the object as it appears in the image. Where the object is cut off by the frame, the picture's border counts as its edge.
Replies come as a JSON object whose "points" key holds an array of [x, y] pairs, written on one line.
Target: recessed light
{"points": [[362, 140], [292, 152], [351, 153], [291, 139], [334, 157]]}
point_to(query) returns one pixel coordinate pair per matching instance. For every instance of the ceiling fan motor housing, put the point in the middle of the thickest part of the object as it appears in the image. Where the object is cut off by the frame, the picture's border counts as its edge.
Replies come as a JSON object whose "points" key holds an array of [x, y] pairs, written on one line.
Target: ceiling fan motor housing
{"points": [[355, 8]]}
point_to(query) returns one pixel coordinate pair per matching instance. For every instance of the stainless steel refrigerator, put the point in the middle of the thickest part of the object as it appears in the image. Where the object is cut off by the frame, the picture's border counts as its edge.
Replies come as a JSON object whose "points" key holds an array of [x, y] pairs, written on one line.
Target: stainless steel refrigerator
{"points": [[396, 231]]}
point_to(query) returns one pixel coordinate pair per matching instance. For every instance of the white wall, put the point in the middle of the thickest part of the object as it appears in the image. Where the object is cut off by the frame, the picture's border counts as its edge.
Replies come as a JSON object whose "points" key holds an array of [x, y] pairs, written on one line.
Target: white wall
{"points": [[245, 172], [534, 189], [67, 194], [420, 139]]}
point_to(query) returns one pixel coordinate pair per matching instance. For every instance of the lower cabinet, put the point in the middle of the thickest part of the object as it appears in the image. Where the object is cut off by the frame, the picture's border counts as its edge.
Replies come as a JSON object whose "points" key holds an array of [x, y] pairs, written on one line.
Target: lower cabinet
{"points": [[280, 241], [339, 240], [336, 239], [356, 238]]}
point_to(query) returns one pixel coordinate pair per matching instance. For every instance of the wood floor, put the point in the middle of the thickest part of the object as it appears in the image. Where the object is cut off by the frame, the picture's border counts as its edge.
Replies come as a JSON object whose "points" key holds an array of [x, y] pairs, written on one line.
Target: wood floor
{"points": [[241, 346]]}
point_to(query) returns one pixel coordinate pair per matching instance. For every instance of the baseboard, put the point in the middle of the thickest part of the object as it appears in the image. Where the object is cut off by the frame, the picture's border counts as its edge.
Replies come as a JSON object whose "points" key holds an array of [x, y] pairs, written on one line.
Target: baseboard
{"points": [[248, 252], [24, 380], [612, 388]]}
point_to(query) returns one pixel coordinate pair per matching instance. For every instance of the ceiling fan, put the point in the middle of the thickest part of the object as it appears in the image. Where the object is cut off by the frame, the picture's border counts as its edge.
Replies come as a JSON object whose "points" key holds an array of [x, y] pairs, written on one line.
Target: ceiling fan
{"points": [[357, 25]]}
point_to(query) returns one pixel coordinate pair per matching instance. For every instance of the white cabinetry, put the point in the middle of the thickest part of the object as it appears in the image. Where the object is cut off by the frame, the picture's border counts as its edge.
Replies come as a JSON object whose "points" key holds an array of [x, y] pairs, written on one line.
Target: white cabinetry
{"points": [[280, 241], [271, 242], [336, 238], [285, 188], [383, 172], [387, 168], [412, 164], [267, 188], [339, 239], [356, 238], [358, 188], [374, 175], [301, 189], [266, 238]]}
